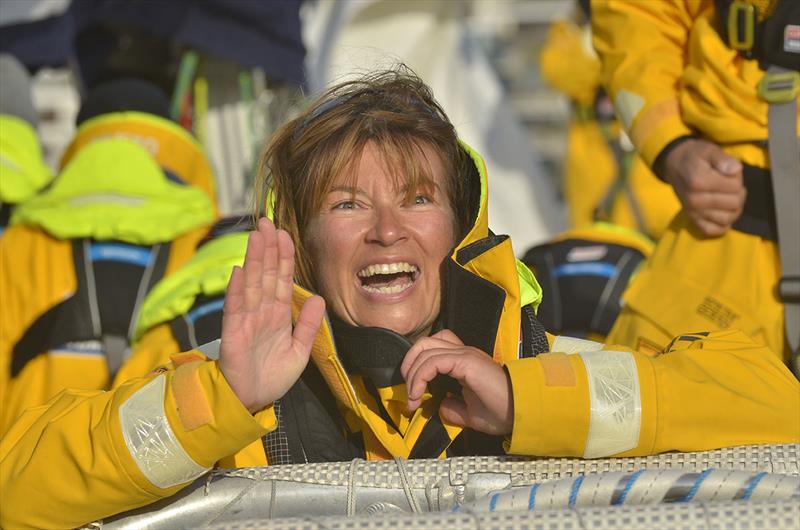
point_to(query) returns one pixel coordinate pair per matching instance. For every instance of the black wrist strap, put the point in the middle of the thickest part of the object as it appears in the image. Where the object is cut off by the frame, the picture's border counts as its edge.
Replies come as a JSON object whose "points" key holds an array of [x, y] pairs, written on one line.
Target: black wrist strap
{"points": [[658, 164]]}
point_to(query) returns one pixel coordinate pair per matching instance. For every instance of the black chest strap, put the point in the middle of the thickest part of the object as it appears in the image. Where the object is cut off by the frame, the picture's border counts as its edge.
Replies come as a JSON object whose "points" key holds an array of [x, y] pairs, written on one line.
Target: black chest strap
{"points": [[772, 41], [112, 280], [201, 324]]}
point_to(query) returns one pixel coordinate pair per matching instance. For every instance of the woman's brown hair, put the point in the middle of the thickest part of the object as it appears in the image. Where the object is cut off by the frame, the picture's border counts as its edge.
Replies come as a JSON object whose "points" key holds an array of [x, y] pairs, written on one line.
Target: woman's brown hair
{"points": [[395, 111]]}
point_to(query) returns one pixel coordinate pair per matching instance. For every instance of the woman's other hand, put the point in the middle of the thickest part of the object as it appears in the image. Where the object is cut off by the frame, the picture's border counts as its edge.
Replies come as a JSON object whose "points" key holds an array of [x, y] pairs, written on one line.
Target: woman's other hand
{"points": [[486, 404], [261, 356]]}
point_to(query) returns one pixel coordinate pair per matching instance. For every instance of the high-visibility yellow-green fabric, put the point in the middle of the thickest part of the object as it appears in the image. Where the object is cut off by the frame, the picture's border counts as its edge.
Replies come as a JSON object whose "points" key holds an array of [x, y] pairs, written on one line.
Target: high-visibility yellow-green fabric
{"points": [[22, 168], [172, 147], [698, 85], [135, 203], [724, 381], [569, 64], [530, 292], [206, 273]]}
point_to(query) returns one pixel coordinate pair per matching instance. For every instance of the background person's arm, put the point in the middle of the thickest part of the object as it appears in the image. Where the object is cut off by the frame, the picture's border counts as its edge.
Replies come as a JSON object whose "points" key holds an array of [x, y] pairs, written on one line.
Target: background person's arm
{"points": [[643, 47]]}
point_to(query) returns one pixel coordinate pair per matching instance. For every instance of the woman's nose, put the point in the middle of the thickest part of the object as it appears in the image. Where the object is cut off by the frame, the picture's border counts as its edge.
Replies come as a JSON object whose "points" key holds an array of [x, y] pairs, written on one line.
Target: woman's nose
{"points": [[388, 226]]}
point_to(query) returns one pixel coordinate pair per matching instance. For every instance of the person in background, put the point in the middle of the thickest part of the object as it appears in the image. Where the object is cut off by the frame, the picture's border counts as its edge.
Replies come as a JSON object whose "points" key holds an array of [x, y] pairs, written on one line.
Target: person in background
{"points": [[707, 92], [422, 341], [604, 180], [79, 257]]}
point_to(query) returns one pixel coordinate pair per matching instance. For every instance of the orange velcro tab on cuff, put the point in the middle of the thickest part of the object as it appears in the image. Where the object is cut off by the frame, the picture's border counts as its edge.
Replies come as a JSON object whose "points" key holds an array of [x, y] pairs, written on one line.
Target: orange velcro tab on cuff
{"points": [[186, 357], [557, 369], [190, 398]]}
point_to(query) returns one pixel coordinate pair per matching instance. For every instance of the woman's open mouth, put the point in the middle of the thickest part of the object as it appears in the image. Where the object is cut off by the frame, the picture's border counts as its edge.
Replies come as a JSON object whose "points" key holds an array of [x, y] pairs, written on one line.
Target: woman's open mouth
{"points": [[388, 278]]}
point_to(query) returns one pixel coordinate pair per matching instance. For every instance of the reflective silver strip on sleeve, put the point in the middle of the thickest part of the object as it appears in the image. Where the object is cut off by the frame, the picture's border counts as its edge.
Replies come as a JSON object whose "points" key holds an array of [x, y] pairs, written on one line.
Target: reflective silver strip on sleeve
{"points": [[563, 344], [211, 349], [616, 403], [151, 441]]}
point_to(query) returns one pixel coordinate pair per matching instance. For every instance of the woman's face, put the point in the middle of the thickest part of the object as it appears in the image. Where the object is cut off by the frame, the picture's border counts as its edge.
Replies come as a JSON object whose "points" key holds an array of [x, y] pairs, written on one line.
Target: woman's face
{"points": [[377, 256]]}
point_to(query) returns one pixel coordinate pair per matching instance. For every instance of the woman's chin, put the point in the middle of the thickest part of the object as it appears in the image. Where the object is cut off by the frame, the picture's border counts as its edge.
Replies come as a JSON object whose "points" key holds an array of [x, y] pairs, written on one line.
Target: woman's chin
{"points": [[409, 328]]}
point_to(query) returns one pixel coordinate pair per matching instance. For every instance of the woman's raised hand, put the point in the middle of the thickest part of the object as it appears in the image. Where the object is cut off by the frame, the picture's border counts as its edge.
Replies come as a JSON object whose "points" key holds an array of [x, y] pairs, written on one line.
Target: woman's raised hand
{"points": [[487, 404], [261, 356]]}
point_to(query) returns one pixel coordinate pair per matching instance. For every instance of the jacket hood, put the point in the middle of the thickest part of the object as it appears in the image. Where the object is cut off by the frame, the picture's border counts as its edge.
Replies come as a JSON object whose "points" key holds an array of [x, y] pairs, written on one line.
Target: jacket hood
{"points": [[179, 154], [113, 189]]}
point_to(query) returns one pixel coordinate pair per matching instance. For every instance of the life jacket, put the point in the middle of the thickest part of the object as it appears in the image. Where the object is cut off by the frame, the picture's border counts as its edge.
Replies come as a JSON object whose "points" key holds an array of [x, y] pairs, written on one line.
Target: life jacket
{"points": [[583, 273], [178, 153], [767, 31], [191, 299]]}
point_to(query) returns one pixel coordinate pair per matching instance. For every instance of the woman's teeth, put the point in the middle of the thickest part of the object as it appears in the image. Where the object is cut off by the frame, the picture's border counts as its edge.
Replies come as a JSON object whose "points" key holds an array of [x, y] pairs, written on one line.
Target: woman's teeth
{"points": [[386, 268], [387, 278], [387, 289]]}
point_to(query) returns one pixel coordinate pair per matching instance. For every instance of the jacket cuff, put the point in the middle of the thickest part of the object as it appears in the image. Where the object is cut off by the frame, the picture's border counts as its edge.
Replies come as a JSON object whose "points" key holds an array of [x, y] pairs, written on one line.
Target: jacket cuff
{"points": [[171, 428], [655, 128], [230, 425], [551, 405]]}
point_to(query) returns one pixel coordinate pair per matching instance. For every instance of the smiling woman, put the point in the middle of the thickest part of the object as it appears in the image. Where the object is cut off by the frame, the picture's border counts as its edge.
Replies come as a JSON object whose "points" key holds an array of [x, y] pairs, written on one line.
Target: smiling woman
{"points": [[386, 211]]}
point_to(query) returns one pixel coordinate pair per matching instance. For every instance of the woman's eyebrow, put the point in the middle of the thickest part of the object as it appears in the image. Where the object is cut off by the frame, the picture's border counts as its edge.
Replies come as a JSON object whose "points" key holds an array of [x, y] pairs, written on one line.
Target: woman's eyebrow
{"points": [[425, 184], [353, 190]]}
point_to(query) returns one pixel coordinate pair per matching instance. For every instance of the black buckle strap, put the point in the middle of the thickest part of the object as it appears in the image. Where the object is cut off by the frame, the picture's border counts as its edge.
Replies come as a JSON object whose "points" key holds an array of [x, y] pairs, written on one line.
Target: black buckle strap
{"points": [[758, 214], [771, 41]]}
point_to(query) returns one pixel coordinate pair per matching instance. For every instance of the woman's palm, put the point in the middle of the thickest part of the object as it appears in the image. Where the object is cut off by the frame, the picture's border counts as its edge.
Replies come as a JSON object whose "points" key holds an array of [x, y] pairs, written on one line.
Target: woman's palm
{"points": [[261, 355]]}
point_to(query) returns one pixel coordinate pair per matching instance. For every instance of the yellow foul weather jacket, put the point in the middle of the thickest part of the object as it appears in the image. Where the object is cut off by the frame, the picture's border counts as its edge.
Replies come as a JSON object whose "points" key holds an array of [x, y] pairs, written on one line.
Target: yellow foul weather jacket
{"points": [[670, 74], [150, 436]]}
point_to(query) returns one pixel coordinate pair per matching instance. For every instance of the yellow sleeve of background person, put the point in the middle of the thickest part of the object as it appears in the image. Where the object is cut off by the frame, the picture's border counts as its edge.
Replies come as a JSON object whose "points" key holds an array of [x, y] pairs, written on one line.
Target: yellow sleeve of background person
{"points": [[148, 438], [569, 64], [643, 65], [705, 391]]}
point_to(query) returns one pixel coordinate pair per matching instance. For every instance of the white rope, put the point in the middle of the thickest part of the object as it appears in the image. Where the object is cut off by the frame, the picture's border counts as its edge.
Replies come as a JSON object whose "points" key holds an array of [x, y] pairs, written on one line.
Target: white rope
{"points": [[351, 486], [401, 468]]}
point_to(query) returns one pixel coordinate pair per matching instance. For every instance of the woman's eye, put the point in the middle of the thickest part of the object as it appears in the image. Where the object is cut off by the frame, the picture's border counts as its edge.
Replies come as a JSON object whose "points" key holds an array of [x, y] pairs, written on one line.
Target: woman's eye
{"points": [[421, 199], [345, 205]]}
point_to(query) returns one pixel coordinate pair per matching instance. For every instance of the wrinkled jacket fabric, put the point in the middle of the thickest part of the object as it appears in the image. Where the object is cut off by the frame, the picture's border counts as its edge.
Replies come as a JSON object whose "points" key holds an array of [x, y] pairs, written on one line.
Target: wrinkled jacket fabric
{"points": [[697, 85], [150, 436], [591, 169]]}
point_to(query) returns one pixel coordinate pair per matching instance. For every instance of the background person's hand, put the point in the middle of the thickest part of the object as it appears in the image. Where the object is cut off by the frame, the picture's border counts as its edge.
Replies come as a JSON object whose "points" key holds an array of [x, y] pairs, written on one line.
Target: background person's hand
{"points": [[487, 403], [709, 184], [261, 356]]}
